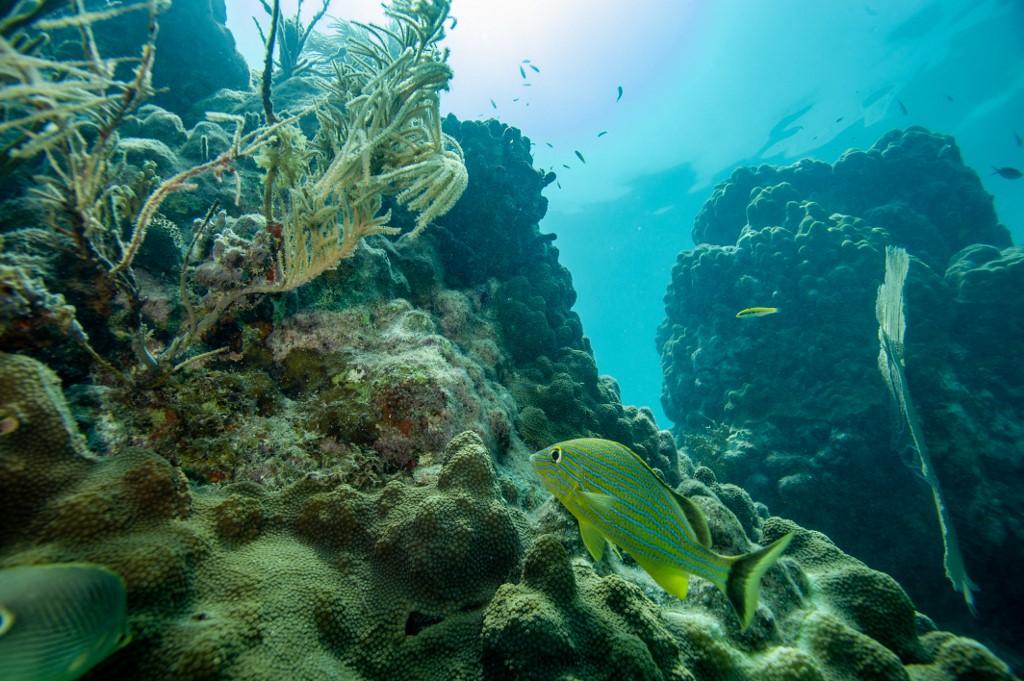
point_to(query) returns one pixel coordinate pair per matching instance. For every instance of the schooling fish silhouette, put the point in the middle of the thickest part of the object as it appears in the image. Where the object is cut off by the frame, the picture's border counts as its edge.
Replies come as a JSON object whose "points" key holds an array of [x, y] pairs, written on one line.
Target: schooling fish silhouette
{"points": [[1008, 172]]}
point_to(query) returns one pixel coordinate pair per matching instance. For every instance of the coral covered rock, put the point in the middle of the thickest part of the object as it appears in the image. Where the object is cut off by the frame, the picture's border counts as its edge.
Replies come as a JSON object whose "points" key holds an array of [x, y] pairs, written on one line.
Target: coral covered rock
{"points": [[791, 406]]}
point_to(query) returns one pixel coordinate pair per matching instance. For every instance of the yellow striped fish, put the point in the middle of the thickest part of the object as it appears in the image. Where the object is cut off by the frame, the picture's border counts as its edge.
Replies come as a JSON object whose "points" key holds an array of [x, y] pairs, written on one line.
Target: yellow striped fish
{"points": [[59, 621], [756, 312], [616, 496]]}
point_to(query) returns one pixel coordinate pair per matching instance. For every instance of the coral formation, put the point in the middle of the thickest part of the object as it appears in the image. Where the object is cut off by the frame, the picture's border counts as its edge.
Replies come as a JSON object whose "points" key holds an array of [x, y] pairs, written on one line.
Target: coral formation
{"points": [[320, 580], [791, 407], [330, 481]]}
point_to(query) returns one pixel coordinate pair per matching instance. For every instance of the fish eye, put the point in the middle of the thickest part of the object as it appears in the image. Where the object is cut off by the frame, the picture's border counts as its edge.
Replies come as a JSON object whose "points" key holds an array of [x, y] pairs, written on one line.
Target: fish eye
{"points": [[556, 454]]}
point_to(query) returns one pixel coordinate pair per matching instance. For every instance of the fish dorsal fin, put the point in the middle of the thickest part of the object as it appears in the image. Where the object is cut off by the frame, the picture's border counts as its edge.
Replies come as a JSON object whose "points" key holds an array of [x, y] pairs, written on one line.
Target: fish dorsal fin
{"points": [[592, 539], [695, 517], [691, 511]]}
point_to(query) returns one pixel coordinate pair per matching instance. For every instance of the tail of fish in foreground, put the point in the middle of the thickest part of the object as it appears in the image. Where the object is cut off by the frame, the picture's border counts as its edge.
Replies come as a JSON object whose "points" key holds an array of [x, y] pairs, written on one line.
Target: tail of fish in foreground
{"points": [[743, 585]]}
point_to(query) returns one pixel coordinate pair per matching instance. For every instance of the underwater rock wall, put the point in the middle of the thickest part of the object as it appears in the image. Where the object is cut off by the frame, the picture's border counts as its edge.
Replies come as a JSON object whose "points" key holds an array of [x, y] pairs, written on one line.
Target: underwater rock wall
{"points": [[196, 51], [792, 406]]}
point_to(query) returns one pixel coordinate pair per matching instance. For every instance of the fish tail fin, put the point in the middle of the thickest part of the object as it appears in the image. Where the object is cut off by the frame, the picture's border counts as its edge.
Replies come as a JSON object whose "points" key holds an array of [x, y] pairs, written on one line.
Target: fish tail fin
{"points": [[743, 585]]}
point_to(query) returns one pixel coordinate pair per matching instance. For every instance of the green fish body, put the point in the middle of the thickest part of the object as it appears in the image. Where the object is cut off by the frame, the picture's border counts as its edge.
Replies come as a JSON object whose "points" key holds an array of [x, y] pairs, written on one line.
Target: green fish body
{"points": [[617, 498], [59, 621], [756, 312]]}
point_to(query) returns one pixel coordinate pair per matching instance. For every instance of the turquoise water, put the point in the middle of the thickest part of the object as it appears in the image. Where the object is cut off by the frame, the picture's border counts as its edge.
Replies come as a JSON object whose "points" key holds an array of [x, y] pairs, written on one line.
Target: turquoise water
{"points": [[709, 87]]}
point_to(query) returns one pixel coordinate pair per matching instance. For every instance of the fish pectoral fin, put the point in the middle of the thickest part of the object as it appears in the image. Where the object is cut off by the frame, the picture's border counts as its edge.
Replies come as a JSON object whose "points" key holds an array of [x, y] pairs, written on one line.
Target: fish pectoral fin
{"points": [[602, 503], [671, 579], [593, 540]]}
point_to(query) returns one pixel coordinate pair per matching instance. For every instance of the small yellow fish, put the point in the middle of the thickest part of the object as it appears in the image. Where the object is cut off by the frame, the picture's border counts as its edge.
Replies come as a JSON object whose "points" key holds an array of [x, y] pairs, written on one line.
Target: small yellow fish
{"points": [[59, 621], [616, 497], [756, 312]]}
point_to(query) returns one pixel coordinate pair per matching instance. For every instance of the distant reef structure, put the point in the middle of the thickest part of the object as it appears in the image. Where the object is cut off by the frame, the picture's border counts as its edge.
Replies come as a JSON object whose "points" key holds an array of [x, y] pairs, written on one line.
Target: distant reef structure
{"points": [[300, 435], [792, 406]]}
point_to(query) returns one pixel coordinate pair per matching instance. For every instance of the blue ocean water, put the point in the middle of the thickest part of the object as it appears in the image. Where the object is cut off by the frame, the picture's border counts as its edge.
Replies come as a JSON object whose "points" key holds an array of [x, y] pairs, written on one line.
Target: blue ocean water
{"points": [[708, 87]]}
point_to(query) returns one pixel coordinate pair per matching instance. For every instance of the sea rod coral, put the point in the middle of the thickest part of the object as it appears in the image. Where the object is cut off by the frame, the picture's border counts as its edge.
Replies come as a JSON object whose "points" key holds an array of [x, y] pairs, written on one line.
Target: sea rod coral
{"points": [[379, 135]]}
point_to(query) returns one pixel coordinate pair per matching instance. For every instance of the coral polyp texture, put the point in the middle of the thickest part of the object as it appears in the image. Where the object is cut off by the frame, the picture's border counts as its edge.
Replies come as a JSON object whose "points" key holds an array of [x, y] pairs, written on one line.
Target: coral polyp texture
{"points": [[438, 579], [792, 407]]}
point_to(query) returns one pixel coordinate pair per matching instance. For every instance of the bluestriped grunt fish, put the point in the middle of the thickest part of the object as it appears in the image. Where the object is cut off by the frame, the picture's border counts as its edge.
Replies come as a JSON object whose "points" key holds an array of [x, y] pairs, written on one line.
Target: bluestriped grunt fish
{"points": [[617, 498]]}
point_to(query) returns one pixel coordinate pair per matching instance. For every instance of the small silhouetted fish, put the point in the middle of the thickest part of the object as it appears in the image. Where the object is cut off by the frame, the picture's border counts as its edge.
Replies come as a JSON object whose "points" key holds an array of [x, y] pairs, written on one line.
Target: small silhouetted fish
{"points": [[515, 99], [522, 72], [558, 183], [59, 621], [527, 84], [839, 120], [580, 156], [550, 144], [619, 96], [525, 61], [903, 107], [602, 133], [534, 68], [493, 105], [949, 98], [1008, 172], [567, 167], [1018, 139]]}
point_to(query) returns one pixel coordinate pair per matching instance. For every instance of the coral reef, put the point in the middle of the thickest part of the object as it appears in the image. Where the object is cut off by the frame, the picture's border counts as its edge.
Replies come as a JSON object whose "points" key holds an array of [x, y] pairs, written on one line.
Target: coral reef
{"points": [[428, 580], [792, 408], [330, 480], [193, 35]]}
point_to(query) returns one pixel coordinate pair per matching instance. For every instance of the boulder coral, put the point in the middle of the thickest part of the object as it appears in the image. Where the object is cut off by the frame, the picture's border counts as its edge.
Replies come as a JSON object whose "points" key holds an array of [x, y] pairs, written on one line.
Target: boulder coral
{"points": [[438, 580], [792, 407]]}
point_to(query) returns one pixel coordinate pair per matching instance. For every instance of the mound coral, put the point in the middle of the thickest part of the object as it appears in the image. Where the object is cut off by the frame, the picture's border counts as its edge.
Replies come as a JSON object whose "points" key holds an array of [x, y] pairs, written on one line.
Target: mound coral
{"points": [[791, 407], [320, 580]]}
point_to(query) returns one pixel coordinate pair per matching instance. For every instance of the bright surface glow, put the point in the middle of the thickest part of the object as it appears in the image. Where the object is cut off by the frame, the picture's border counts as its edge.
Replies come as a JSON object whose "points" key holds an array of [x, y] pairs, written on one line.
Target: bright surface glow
{"points": [[707, 86]]}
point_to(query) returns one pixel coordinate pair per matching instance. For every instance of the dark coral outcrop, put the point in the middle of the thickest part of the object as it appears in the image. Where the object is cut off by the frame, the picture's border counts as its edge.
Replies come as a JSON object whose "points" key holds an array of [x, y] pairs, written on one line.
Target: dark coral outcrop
{"points": [[792, 406], [197, 53]]}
